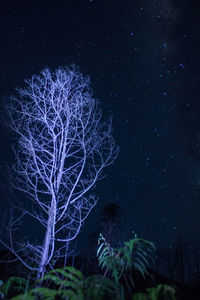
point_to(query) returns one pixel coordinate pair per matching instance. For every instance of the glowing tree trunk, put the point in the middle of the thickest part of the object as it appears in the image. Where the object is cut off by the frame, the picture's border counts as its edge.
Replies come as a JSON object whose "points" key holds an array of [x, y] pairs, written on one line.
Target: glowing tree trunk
{"points": [[63, 147]]}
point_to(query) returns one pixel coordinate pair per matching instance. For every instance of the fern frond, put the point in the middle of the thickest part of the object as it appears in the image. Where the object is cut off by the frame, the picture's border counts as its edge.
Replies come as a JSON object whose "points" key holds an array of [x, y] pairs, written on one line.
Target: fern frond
{"points": [[71, 277], [69, 272], [98, 287], [71, 295], [45, 293], [26, 296], [53, 278], [16, 283]]}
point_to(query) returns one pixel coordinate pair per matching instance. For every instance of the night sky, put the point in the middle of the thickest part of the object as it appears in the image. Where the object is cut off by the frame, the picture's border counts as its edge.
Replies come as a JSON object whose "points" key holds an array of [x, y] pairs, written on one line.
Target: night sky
{"points": [[143, 57]]}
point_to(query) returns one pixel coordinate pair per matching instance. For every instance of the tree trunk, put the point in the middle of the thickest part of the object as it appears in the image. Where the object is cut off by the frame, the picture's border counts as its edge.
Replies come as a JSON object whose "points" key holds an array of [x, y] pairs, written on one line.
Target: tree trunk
{"points": [[46, 244]]}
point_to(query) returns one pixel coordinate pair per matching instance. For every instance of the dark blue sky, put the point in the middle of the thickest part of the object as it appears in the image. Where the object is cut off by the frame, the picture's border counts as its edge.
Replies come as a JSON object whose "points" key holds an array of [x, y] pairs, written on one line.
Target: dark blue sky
{"points": [[143, 58]]}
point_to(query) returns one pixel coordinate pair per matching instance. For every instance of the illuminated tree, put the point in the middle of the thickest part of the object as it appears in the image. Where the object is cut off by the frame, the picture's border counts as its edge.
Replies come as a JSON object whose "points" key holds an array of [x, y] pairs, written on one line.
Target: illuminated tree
{"points": [[63, 147]]}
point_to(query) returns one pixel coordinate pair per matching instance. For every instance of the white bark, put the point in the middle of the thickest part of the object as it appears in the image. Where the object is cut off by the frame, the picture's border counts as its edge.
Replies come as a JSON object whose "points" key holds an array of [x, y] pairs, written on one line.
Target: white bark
{"points": [[63, 147]]}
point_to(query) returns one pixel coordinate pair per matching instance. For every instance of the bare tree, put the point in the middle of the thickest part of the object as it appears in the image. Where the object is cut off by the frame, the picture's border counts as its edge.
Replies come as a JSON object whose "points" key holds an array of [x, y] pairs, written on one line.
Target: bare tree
{"points": [[63, 146]]}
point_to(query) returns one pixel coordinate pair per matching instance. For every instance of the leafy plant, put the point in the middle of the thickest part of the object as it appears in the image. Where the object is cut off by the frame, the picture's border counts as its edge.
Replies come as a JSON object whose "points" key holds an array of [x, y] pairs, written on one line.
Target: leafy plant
{"points": [[137, 253], [161, 291], [16, 283], [97, 287], [26, 296], [69, 283]]}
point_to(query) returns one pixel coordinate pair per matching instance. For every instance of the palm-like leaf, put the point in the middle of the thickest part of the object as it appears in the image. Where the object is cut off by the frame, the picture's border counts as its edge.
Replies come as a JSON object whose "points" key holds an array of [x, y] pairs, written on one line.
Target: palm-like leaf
{"points": [[137, 253]]}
